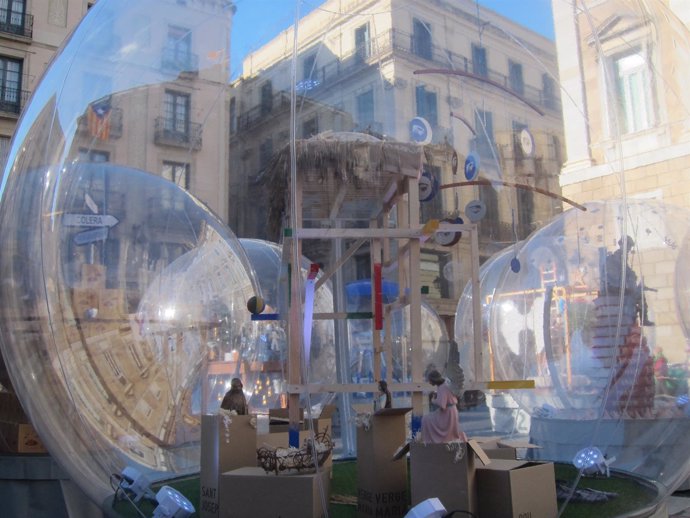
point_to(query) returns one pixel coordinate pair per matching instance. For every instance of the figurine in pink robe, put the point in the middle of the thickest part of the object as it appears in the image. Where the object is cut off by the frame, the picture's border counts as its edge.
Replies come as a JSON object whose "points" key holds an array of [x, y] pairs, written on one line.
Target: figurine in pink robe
{"points": [[442, 424]]}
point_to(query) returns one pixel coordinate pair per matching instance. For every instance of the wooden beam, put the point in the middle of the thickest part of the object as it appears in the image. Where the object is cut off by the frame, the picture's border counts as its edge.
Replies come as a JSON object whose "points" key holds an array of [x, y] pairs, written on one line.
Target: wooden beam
{"points": [[331, 271]]}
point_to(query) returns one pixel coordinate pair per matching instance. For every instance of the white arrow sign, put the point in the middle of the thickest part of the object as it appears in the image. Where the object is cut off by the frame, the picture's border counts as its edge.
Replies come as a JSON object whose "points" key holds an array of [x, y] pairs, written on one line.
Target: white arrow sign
{"points": [[89, 220]]}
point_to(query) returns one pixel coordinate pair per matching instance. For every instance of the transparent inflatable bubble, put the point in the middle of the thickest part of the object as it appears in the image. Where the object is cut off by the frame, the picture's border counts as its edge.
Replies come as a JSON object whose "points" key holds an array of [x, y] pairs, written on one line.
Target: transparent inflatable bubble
{"points": [[266, 259], [121, 288], [592, 318]]}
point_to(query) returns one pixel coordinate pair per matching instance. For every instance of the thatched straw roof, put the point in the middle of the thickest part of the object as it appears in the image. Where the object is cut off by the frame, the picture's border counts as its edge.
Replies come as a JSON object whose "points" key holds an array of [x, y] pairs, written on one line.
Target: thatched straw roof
{"points": [[342, 175]]}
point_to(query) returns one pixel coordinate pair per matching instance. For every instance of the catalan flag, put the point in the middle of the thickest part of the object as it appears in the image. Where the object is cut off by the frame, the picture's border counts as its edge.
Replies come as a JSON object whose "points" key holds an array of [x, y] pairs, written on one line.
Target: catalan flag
{"points": [[98, 118]]}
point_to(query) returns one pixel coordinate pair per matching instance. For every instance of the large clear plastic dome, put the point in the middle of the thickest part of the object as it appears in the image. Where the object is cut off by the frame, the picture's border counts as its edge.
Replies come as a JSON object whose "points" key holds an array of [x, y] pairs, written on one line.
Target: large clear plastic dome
{"points": [[117, 281], [591, 317]]}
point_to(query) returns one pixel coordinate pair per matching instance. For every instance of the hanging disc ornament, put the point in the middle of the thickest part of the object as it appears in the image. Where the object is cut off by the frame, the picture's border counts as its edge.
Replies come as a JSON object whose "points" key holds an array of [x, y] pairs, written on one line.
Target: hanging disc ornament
{"points": [[475, 210], [449, 238], [420, 131], [471, 167], [428, 186]]}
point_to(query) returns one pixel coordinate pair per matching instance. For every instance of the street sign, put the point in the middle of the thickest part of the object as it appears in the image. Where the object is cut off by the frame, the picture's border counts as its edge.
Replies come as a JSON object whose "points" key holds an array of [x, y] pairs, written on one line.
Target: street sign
{"points": [[89, 220], [91, 236]]}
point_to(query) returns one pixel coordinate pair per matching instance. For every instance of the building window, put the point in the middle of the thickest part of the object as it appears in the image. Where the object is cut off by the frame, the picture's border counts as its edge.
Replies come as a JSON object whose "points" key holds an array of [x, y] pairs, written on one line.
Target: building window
{"points": [[633, 92], [265, 152], [515, 79], [484, 126], [178, 49], [266, 98], [176, 112], [490, 226], [421, 39], [93, 155], [525, 203], [365, 109], [310, 127], [427, 105], [548, 88], [12, 16], [10, 84], [177, 173], [479, 64], [362, 42], [308, 67]]}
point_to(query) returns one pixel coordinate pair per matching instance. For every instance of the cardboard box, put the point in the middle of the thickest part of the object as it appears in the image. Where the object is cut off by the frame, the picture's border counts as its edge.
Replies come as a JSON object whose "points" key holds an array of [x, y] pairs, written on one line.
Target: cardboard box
{"points": [[515, 489], [20, 438], [252, 493], [447, 472], [226, 444], [382, 487], [507, 449]]}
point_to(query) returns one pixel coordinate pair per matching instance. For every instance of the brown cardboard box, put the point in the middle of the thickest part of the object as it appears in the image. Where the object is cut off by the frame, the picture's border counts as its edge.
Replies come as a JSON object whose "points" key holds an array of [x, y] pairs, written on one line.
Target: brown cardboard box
{"points": [[382, 481], [252, 493], [446, 471], [514, 489], [226, 444], [20, 438], [506, 449], [82, 300]]}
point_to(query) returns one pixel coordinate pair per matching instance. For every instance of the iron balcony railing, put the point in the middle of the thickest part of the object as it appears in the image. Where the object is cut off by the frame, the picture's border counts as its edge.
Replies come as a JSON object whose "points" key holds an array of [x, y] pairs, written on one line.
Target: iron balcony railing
{"points": [[17, 24], [12, 101], [165, 134], [399, 42]]}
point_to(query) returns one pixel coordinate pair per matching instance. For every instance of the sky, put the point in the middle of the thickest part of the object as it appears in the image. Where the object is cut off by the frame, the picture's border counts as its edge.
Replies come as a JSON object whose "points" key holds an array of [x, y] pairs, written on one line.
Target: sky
{"points": [[258, 21]]}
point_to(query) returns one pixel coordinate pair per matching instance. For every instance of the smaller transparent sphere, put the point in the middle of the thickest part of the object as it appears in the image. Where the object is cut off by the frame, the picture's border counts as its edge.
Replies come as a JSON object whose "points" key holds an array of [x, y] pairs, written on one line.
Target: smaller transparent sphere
{"points": [[596, 317]]}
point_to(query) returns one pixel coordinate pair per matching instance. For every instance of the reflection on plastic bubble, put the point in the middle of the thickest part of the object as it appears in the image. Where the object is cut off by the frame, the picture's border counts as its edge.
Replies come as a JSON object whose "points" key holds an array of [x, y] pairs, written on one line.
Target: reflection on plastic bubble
{"points": [[452, 271], [270, 350]]}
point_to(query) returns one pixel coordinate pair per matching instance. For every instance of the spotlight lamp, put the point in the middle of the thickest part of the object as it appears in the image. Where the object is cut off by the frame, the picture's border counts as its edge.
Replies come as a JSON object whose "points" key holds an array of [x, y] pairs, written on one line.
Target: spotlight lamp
{"points": [[591, 461], [172, 504], [134, 482]]}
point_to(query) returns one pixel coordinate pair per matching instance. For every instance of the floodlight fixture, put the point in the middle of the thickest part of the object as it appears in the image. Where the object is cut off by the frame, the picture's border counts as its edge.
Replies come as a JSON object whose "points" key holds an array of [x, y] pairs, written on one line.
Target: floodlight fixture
{"points": [[172, 504], [591, 461], [134, 481]]}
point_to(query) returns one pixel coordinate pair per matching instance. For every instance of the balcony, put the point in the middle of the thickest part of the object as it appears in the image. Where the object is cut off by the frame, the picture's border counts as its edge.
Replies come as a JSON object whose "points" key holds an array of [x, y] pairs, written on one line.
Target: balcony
{"points": [[177, 60], [279, 103], [114, 121], [401, 43], [165, 135], [16, 24], [12, 101]]}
